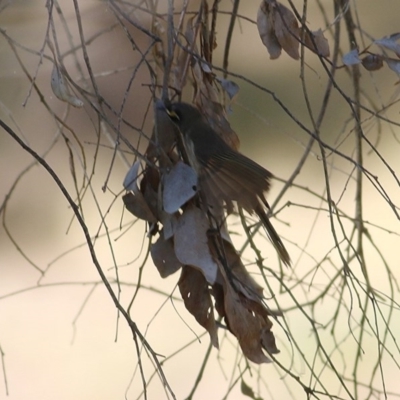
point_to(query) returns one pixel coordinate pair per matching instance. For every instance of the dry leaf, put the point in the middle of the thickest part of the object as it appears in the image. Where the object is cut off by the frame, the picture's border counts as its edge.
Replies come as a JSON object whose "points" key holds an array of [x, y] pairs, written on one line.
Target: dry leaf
{"points": [[247, 390], [60, 88], [390, 42], [197, 299], [372, 62], [163, 255], [265, 25], [206, 96], [130, 181], [179, 71], [242, 280], [286, 30], [321, 43], [191, 242], [134, 201], [351, 58], [207, 101], [230, 87], [136, 205], [278, 29], [268, 340], [180, 185], [394, 65], [239, 301], [246, 326]]}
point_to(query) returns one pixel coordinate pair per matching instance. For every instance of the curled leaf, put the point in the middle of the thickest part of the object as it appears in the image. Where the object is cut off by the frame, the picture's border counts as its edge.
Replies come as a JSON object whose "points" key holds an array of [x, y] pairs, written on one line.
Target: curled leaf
{"points": [[278, 29], [60, 88], [372, 62], [207, 101], [239, 300], [244, 283], [287, 30], [134, 201], [230, 87], [351, 58], [247, 390], [205, 67], [390, 42], [394, 65], [246, 326], [320, 45], [197, 299], [130, 181], [265, 26]]}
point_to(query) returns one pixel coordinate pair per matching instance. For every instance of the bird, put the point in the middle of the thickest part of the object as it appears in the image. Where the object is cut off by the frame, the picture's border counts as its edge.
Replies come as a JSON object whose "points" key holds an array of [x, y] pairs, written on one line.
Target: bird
{"points": [[228, 174]]}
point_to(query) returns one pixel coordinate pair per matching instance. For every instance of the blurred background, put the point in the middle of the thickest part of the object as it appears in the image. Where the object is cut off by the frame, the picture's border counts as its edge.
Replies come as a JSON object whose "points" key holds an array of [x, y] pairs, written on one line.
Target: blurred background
{"points": [[61, 335]]}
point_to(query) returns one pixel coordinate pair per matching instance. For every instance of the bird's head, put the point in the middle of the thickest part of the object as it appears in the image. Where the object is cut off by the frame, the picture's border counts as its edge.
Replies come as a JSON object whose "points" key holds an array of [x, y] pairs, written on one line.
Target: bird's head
{"points": [[183, 114]]}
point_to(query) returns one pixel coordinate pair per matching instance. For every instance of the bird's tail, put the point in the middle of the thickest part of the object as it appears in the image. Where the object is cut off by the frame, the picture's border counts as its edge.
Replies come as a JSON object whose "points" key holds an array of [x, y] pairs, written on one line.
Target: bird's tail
{"points": [[273, 236]]}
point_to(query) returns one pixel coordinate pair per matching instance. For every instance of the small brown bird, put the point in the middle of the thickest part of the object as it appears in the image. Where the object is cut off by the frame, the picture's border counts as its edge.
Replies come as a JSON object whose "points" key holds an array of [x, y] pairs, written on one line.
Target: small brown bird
{"points": [[228, 174]]}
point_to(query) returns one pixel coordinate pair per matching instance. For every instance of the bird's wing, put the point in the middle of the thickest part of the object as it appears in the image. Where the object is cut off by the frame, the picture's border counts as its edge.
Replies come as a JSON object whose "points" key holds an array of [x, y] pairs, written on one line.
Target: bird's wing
{"points": [[234, 177]]}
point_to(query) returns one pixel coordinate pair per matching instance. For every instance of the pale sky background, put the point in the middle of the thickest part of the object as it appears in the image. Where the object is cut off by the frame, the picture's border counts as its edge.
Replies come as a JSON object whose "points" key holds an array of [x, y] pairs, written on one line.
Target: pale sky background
{"points": [[60, 333]]}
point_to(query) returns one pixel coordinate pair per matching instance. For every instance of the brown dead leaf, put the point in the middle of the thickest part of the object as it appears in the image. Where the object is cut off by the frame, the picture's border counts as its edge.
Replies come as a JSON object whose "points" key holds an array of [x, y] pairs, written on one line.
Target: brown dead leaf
{"points": [[180, 68], [239, 301], [206, 95], [372, 62], [321, 45], [197, 299], [268, 340], [278, 29], [245, 325], [248, 320], [286, 30], [242, 280], [265, 25], [258, 309]]}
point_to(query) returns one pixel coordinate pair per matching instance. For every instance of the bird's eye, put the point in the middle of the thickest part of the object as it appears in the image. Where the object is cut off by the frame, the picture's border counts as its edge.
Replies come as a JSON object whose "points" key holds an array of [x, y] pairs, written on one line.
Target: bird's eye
{"points": [[174, 115]]}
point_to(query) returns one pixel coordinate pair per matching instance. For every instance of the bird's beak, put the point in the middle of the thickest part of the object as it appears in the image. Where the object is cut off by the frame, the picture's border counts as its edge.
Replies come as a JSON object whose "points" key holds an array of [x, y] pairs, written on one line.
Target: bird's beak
{"points": [[161, 106], [172, 114]]}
